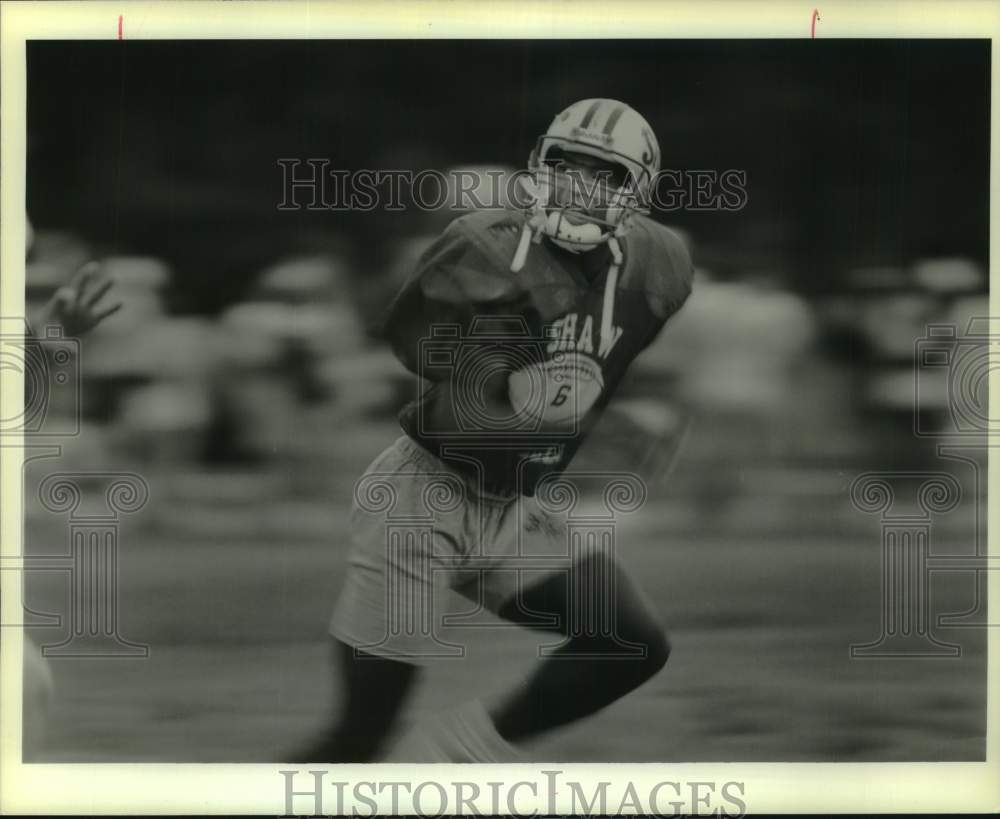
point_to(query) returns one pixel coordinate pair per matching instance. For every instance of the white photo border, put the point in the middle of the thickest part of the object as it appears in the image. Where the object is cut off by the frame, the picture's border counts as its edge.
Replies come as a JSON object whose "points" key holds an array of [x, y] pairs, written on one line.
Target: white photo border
{"points": [[239, 788]]}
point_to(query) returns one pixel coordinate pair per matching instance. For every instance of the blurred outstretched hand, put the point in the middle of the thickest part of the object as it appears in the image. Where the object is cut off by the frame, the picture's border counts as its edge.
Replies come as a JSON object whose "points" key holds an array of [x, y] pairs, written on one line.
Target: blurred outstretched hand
{"points": [[79, 305]]}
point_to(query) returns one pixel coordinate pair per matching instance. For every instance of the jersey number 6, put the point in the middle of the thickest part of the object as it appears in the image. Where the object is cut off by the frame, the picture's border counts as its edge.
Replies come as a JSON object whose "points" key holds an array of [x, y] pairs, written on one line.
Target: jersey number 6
{"points": [[561, 395]]}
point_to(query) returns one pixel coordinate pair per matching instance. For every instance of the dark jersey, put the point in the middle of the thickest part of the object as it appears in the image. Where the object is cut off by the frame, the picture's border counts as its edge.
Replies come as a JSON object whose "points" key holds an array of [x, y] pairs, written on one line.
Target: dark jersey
{"points": [[464, 321]]}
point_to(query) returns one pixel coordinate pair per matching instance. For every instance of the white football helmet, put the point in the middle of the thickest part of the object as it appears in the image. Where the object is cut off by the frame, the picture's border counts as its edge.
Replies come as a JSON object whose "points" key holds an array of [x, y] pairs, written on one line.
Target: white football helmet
{"points": [[609, 131]]}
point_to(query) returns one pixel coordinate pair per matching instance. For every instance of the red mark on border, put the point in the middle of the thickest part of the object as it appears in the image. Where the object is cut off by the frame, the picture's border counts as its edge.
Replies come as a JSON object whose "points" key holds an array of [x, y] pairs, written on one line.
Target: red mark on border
{"points": [[815, 18], [119, 27]]}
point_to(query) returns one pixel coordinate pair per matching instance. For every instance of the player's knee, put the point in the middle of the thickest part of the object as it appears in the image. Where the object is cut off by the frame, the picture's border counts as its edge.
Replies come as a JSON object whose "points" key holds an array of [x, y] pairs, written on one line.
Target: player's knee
{"points": [[654, 650], [647, 662]]}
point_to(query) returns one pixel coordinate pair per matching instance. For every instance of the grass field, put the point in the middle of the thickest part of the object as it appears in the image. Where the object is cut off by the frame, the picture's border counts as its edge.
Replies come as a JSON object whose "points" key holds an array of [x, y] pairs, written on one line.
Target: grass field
{"points": [[762, 604]]}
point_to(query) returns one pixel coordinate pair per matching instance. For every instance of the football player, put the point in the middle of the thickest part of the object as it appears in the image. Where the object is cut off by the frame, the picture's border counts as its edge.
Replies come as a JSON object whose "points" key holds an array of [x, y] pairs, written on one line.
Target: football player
{"points": [[521, 323]]}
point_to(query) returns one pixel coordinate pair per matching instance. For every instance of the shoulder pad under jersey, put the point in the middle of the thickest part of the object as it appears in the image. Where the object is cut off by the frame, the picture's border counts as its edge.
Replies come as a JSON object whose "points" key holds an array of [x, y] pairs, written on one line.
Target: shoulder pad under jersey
{"points": [[470, 261], [660, 264]]}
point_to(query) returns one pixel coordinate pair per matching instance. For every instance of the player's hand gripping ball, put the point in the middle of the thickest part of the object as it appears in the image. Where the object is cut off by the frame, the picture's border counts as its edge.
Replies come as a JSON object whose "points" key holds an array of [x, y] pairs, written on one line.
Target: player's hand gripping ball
{"points": [[557, 392]]}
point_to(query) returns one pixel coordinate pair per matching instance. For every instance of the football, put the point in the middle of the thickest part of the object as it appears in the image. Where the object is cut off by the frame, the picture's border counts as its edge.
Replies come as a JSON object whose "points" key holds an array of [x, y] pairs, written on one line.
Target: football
{"points": [[557, 392]]}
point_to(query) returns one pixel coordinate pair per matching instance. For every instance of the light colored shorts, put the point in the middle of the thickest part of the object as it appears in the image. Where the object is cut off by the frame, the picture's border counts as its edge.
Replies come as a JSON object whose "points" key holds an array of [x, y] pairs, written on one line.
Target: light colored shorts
{"points": [[420, 528]]}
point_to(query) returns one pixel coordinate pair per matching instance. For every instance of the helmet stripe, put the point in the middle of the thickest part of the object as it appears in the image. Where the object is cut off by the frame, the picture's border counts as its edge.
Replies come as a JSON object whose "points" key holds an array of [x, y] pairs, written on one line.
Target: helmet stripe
{"points": [[613, 120], [590, 113]]}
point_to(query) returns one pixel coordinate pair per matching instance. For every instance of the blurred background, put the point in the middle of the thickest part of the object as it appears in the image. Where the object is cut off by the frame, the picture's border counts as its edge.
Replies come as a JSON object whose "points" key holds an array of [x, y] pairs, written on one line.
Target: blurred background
{"points": [[244, 378]]}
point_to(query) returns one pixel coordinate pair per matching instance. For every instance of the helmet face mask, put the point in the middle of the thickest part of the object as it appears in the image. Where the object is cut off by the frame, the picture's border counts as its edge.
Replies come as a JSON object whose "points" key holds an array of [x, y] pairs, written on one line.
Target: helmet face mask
{"points": [[592, 171], [561, 156]]}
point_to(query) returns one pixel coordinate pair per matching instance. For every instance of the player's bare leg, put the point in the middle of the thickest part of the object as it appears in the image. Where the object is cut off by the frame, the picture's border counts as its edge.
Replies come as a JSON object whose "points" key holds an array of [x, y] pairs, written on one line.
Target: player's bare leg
{"points": [[588, 672], [374, 691]]}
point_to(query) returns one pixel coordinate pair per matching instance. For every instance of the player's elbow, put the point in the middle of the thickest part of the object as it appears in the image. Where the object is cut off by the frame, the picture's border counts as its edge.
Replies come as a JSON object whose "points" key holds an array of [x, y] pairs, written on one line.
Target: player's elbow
{"points": [[658, 652]]}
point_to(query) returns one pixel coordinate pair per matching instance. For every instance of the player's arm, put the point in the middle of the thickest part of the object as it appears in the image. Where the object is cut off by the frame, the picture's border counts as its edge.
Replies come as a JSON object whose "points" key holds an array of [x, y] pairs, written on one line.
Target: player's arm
{"points": [[670, 279], [454, 284]]}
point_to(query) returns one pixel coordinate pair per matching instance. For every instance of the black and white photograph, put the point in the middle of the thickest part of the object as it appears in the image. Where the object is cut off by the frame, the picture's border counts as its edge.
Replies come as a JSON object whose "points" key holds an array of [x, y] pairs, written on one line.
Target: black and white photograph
{"points": [[500, 400]]}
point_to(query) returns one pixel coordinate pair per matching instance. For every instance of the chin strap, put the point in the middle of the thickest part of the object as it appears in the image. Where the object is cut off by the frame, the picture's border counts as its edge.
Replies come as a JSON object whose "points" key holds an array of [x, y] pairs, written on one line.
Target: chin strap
{"points": [[610, 290], [532, 231]]}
